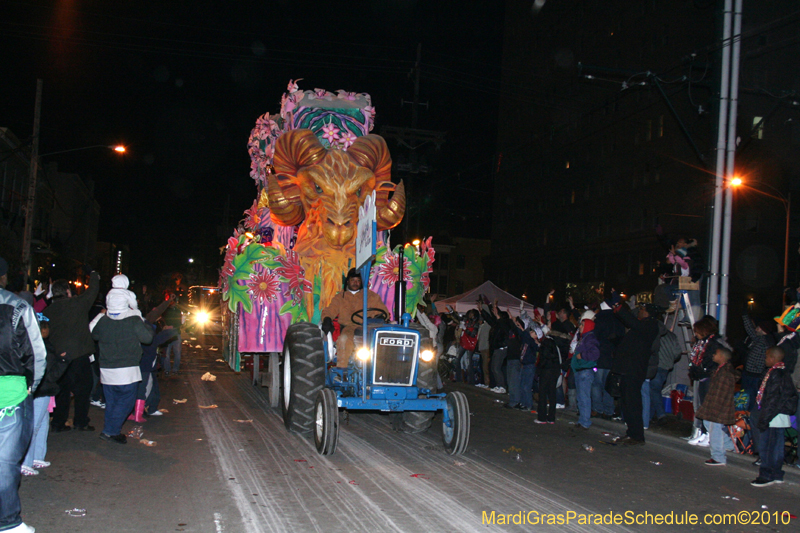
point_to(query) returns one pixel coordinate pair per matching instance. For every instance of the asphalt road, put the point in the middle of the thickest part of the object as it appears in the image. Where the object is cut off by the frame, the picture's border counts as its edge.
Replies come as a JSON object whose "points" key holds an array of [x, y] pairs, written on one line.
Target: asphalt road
{"points": [[235, 468]]}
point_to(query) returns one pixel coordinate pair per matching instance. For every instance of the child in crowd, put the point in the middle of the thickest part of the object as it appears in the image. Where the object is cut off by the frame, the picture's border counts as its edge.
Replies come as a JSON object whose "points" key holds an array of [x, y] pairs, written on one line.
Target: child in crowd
{"points": [[776, 401], [717, 409], [43, 403], [121, 300]]}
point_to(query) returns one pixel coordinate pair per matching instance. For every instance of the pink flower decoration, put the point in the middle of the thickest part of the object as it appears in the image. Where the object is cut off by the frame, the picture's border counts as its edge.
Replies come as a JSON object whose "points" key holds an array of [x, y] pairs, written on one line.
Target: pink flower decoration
{"points": [[252, 218], [294, 274], [230, 253], [389, 272], [264, 286], [347, 139], [330, 133]]}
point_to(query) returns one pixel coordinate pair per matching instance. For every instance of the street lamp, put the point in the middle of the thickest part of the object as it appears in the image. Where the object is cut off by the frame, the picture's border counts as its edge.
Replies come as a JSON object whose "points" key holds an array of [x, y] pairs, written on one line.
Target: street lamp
{"points": [[116, 147], [787, 205]]}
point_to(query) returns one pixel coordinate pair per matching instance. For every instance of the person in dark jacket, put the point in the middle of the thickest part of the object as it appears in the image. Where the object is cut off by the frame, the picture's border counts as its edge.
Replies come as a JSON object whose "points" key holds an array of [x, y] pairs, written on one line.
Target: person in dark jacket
{"points": [[120, 343], [584, 360], [43, 401], [69, 333], [148, 392], [701, 367], [717, 411], [549, 370], [776, 401], [501, 326], [174, 318], [513, 364], [609, 331], [528, 356], [22, 366], [630, 360], [759, 340]]}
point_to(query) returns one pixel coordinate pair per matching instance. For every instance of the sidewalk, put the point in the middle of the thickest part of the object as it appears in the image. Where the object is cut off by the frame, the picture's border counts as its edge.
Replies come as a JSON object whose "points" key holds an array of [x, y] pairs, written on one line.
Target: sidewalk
{"points": [[99, 486]]}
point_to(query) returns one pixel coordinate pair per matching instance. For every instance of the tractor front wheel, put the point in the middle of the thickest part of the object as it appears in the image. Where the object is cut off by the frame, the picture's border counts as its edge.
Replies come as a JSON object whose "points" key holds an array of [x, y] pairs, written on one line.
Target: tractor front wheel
{"points": [[326, 422], [456, 435]]}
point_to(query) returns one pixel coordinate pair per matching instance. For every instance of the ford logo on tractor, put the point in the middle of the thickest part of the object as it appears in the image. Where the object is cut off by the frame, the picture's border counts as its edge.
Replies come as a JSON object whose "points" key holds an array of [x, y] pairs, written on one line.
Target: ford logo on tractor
{"points": [[392, 341]]}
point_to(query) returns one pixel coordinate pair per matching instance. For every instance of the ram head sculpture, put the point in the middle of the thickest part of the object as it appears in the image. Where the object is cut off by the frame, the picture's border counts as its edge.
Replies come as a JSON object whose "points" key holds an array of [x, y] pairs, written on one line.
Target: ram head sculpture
{"points": [[321, 190]]}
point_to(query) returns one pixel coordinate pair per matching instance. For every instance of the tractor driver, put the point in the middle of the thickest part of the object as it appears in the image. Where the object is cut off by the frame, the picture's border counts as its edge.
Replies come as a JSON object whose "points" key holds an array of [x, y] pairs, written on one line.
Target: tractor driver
{"points": [[343, 306]]}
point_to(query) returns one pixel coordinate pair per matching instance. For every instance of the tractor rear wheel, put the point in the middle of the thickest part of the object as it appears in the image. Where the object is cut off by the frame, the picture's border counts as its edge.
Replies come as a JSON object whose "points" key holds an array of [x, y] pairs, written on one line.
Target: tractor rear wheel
{"points": [[419, 421], [326, 422], [456, 436], [303, 375]]}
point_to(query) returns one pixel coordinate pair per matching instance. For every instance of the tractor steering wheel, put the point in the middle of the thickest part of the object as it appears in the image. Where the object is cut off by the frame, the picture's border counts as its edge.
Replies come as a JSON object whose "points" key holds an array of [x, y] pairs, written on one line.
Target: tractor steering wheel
{"points": [[358, 319]]}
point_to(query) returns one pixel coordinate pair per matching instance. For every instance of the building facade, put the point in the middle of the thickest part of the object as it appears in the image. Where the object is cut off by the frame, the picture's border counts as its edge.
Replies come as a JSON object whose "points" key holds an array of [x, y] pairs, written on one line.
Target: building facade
{"points": [[608, 120]]}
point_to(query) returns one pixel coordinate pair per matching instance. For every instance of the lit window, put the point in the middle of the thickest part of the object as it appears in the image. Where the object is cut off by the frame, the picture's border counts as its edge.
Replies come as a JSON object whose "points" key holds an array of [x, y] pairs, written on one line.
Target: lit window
{"points": [[758, 127]]}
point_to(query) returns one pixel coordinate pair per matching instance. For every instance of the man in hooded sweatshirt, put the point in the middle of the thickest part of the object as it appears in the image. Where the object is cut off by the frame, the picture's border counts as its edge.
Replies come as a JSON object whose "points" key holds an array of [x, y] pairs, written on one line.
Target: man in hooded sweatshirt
{"points": [[120, 341]]}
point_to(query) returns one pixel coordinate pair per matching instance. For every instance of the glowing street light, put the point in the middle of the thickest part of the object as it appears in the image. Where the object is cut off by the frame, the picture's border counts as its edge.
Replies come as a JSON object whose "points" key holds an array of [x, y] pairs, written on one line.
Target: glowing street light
{"points": [[736, 181]]}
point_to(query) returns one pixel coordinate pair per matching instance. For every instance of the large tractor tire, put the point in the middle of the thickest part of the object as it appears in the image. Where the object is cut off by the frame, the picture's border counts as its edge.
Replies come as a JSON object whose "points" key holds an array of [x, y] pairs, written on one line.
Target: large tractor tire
{"points": [[326, 422], [419, 421], [303, 375], [456, 436]]}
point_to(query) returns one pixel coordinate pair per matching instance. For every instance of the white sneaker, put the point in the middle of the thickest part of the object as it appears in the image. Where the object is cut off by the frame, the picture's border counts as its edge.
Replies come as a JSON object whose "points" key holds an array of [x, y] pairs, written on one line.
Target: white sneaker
{"points": [[22, 528], [704, 442], [560, 406], [28, 471], [698, 439], [98, 403], [156, 413], [40, 464]]}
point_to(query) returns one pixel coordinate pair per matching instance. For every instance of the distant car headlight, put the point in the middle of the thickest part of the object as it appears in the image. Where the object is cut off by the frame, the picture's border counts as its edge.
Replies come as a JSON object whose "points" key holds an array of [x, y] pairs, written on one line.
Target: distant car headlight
{"points": [[202, 317], [426, 355], [363, 353]]}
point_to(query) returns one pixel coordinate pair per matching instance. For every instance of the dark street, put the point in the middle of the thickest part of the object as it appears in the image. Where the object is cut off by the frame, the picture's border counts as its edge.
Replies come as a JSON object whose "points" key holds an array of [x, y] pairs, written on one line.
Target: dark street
{"points": [[235, 468]]}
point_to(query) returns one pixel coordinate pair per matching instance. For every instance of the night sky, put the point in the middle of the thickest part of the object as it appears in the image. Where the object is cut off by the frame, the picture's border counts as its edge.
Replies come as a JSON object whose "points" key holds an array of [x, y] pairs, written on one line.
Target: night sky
{"points": [[182, 83]]}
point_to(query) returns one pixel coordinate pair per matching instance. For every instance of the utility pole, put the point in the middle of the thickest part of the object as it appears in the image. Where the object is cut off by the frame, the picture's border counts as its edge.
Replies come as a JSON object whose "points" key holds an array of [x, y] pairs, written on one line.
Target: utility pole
{"points": [[31, 200], [413, 139]]}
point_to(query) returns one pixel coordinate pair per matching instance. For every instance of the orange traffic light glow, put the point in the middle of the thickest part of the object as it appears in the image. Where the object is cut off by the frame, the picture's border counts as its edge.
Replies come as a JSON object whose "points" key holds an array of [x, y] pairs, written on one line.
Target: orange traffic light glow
{"points": [[119, 148]]}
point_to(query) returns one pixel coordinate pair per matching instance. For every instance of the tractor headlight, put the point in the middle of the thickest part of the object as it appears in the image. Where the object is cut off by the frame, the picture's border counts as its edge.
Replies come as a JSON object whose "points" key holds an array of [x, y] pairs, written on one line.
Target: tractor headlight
{"points": [[202, 317], [426, 355], [363, 353]]}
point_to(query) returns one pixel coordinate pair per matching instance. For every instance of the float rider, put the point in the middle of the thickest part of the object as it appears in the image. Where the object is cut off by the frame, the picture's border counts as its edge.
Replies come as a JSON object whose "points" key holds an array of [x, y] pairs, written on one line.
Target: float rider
{"points": [[342, 306]]}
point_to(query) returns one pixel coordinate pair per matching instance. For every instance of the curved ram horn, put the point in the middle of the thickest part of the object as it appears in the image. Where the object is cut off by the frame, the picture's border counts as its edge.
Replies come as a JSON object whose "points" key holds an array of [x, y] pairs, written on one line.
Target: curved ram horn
{"points": [[370, 151], [293, 150], [285, 206], [389, 212]]}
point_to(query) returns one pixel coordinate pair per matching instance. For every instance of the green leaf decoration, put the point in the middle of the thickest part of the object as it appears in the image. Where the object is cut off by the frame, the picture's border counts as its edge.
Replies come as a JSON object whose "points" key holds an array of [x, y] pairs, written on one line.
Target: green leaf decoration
{"points": [[317, 290], [243, 265]]}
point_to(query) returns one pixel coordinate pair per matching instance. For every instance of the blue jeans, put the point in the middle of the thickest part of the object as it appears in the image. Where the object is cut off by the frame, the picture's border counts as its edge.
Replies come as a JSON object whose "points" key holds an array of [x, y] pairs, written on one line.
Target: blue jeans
{"points": [[513, 368], [656, 400], [583, 387], [16, 428], [149, 391], [464, 362], [646, 403], [719, 441], [41, 428], [526, 378], [174, 347], [120, 400], [602, 402], [771, 453], [750, 384]]}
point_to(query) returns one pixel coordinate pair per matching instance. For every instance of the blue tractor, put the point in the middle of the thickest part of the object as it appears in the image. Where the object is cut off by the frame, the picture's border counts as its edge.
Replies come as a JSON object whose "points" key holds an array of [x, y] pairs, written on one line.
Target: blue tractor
{"points": [[394, 372]]}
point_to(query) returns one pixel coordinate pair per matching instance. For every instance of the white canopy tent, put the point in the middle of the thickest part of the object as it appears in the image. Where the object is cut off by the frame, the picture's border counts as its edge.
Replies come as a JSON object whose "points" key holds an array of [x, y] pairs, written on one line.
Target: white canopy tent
{"points": [[469, 300]]}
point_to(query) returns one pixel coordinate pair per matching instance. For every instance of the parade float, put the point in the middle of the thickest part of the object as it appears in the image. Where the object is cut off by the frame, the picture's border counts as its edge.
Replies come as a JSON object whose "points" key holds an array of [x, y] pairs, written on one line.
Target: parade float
{"points": [[313, 164]]}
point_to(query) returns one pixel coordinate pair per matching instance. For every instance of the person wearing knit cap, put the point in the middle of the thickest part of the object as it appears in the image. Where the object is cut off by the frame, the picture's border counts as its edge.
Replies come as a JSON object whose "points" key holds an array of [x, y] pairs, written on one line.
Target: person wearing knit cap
{"points": [[120, 302], [584, 361]]}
